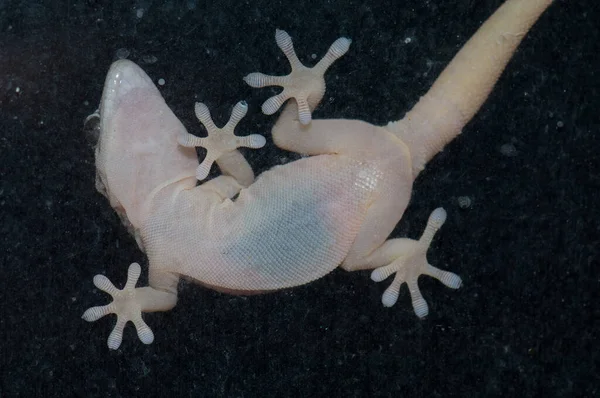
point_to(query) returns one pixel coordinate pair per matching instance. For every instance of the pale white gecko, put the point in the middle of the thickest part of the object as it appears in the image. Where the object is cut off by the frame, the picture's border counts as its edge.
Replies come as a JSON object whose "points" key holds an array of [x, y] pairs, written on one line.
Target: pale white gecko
{"points": [[296, 222]]}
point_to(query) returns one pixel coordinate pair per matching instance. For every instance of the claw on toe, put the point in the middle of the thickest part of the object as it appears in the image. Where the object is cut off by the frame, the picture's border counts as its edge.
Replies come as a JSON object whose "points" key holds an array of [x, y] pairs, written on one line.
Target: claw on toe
{"points": [[219, 140], [411, 264], [124, 305], [305, 85]]}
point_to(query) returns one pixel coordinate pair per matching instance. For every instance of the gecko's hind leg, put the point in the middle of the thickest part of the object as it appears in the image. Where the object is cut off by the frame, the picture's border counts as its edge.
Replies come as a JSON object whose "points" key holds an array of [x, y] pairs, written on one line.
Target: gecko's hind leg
{"points": [[407, 258]]}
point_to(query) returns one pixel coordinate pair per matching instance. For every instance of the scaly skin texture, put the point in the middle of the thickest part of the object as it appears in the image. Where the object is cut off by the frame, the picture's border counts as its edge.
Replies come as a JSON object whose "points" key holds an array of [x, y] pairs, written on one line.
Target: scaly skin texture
{"points": [[296, 222]]}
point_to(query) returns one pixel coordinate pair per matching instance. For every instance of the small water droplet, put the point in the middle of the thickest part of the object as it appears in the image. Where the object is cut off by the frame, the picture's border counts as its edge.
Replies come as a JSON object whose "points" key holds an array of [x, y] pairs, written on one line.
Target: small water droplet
{"points": [[122, 53], [464, 202]]}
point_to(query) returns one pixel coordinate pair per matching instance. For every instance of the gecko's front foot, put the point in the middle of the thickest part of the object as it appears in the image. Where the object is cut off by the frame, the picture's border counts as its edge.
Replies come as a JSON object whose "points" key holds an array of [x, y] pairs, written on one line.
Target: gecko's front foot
{"points": [[219, 140], [124, 305], [128, 304], [411, 263], [305, 85]]}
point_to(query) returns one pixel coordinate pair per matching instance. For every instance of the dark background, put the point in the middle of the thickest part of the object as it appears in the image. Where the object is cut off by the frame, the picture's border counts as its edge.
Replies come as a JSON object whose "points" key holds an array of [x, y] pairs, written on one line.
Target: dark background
{"points": [[525, 322]]}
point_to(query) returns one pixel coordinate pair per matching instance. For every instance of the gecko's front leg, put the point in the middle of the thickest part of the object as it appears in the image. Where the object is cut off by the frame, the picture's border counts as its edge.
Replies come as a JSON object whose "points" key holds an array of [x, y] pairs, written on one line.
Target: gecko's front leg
{"points": [[128, 304], [220, 141]]}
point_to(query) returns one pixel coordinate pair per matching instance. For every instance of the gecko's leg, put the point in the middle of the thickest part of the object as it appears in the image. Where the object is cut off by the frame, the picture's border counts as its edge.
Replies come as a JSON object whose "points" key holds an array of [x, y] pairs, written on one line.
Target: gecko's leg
{"points": [[407, 258], [305, 85], [225, 187], [221, 144], [129, 303], [295, 129]]}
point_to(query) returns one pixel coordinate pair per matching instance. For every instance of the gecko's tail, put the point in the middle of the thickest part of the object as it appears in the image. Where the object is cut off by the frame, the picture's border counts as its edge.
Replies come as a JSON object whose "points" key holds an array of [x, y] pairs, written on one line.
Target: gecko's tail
{"points": [[466, 82]]}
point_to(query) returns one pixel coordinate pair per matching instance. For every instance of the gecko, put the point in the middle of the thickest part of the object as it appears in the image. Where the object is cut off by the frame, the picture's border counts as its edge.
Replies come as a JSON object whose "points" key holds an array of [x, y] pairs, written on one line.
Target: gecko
{"points": [[296, 222]]}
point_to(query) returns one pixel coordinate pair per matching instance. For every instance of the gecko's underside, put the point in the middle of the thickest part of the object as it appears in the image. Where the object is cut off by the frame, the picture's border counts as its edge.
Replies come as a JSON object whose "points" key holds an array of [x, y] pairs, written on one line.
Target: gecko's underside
{"points": [[295, 222]]}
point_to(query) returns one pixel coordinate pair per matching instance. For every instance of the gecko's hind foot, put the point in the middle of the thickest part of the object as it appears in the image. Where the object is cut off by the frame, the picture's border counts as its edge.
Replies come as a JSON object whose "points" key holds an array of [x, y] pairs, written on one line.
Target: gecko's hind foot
{"points": [[411, 263], [305, 85]]}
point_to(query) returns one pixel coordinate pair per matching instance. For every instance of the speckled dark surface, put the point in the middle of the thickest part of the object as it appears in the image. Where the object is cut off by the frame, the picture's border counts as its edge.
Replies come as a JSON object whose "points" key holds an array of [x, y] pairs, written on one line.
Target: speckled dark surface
{"points": [[526, 321]]}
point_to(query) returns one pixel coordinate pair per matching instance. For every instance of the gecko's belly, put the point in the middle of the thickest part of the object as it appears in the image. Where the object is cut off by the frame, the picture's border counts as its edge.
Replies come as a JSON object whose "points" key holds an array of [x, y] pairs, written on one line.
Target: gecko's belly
{"points": [[295, 224]]}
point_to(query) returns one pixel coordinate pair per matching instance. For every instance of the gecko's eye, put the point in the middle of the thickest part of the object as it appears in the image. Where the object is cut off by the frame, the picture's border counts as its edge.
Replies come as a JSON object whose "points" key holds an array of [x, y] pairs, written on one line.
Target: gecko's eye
{"points": [[91, 128]]}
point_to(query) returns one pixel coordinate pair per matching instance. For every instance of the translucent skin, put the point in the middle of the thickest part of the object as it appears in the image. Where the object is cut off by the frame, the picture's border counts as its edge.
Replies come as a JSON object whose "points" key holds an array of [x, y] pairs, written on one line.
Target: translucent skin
{"points": [[298, 221]]}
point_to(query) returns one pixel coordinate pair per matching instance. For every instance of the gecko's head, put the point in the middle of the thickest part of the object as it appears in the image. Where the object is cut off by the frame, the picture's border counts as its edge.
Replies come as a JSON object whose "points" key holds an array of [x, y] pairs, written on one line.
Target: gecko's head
{"points": [[137, 150]]}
